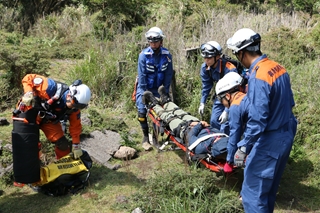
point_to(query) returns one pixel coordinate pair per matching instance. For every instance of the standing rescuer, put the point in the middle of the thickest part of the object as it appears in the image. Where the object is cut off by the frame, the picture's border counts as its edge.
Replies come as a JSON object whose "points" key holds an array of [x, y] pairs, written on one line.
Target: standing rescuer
{"points": [[271, 125], [154, 69], [212, 70]]}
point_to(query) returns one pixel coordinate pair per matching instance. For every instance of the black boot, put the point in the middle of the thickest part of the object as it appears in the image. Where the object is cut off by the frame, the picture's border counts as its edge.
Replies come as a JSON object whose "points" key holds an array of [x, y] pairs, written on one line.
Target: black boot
{"points": [[164, 97], [145, 136], [149, 100]]}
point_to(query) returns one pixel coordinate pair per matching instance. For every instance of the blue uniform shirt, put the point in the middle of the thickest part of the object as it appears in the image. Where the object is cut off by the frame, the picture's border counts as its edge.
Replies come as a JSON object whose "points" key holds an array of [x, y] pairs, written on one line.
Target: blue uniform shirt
{"points": [[268, 89], [153, 71]]}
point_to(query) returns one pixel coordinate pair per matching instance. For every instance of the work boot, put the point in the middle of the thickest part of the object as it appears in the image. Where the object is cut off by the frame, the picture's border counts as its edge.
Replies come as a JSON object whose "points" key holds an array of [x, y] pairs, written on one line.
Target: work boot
{"points": [[149, 100], [164, 97], [145, 140]]}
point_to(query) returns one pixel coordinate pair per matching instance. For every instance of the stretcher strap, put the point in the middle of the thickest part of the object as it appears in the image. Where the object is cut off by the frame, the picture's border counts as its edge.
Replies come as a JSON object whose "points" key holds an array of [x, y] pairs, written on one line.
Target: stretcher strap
{"points": [[199, 140]]}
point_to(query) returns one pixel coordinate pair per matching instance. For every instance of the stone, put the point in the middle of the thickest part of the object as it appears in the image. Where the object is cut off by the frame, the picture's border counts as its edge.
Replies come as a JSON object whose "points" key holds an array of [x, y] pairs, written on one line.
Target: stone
{"points": [[125, 153]]}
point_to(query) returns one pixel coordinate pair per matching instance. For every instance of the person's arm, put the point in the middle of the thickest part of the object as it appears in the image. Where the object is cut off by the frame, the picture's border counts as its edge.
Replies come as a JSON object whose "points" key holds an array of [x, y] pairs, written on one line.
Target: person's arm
{"points": [[207, 83], [258, 94], [142, 80], [75, 127], [235, 124], [37, 84], [168, 75]]}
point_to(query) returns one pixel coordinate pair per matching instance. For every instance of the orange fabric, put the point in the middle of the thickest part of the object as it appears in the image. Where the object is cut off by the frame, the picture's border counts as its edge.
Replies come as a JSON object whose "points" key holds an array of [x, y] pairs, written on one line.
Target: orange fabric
{"points": [[269, 72], [230, 65], [60, 153], [75, 127], [53, 131], [238, 98], [39, 90]]}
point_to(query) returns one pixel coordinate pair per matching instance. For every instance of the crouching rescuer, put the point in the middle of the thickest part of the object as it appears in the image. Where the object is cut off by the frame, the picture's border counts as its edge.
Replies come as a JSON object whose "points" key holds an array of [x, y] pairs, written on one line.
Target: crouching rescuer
{"points": [[44, 104]]}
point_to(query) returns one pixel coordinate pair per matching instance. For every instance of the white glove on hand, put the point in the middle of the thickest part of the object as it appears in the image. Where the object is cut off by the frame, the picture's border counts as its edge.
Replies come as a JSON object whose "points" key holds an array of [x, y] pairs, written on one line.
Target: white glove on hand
{"points": [[76, 151], [239, 157], [201, 108], [223, 117], [27, 98]]}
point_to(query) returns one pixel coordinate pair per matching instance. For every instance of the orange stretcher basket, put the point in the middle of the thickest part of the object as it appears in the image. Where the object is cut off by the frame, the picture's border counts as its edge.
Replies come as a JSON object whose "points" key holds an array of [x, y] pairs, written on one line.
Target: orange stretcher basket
{"points": [[215, 165]]}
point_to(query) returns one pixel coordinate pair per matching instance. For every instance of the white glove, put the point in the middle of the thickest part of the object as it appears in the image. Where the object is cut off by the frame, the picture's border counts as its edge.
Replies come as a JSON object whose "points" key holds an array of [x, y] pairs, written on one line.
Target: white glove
{"points": [[239, 157], [201, 108], [223, 117], [27, 98], [76, 151]]}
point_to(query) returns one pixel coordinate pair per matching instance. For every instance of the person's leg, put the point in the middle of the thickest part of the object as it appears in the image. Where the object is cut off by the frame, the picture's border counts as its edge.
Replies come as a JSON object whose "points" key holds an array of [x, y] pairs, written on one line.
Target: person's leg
{"points": [[54, 134], [142, 118], [217, 110], [284, 147], [264, 167]]}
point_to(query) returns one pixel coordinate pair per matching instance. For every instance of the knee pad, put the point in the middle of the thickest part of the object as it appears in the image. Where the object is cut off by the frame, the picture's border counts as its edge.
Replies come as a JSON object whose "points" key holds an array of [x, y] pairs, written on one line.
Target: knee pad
{"points": [[142, 117], [63, 144]]}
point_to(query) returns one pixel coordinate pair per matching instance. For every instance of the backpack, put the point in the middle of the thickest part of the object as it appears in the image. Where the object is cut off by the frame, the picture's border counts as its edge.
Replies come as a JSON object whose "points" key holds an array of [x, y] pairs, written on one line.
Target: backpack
{"points": [[66, 175], [236, 63]]}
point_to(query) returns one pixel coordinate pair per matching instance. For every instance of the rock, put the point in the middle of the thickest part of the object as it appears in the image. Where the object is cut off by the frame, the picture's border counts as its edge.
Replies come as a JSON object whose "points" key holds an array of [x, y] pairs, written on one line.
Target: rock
{"points": [[8, 147], [4, 121], [121, 199], [85, 120], [102, 146], [125, 153], [137, 210], [147, 146]]}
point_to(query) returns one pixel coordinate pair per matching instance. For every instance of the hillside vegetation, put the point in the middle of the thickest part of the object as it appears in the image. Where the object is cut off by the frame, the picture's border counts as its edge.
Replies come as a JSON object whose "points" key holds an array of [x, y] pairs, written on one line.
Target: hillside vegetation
{"points": [[90, 39]]}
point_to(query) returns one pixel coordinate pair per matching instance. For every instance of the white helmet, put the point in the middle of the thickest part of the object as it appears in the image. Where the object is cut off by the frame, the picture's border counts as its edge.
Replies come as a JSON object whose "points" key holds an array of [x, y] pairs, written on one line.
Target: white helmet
{"points": [[154, 34], [210, 49], [242, 39], [81, 94], [230, 81]]}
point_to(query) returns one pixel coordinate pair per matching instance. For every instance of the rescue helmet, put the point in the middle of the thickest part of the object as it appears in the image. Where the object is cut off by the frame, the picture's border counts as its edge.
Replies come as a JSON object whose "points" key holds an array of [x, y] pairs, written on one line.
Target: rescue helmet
{"points": [[80, 94], [231, 81], [244, 38], [210, 49], [155, 34]]}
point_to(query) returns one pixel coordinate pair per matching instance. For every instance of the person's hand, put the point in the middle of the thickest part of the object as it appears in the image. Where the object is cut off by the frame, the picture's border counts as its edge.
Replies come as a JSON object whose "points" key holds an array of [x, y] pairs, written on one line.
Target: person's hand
{"points": [[27, 98], [76, 151], [239, 157], [201, 108], [223, 117], [227, 168]]}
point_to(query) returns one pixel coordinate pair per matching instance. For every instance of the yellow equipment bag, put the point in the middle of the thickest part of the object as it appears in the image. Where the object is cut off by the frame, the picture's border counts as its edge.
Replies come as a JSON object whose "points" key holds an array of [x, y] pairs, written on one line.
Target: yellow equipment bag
{"points": [[65, 165], [66, 175]]}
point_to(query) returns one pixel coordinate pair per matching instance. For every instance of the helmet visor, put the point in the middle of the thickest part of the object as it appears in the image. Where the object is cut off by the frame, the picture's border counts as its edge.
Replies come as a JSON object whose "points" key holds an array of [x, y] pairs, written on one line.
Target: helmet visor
{"points": [[74, 102], [153, 36], [208, 51]]}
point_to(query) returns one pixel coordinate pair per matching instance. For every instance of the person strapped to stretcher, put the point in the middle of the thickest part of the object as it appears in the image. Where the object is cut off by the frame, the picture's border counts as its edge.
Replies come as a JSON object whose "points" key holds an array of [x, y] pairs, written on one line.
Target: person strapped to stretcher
{"points": [[197, 135]]}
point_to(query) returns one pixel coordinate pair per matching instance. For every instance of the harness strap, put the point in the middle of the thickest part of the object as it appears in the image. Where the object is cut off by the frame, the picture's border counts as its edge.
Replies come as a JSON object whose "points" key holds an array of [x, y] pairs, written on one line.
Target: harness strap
{"points": [[199, 140]]}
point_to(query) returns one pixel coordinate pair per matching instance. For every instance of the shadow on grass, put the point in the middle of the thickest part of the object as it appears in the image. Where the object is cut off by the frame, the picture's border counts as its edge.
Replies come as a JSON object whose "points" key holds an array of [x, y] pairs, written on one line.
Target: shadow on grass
{"points": [[102, 180], [296, 192]]}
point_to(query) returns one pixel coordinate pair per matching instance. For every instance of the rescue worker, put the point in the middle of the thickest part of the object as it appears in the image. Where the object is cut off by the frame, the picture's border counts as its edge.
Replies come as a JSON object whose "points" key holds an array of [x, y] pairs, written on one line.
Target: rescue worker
{"points": [[53, 101], [212, 70], [271, 125], [154, 69], [187, 127], [230, 92]]}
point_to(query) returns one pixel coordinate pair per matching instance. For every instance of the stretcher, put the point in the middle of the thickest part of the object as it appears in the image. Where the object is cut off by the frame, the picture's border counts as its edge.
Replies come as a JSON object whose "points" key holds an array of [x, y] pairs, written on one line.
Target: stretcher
{"points": [[214, 164]]}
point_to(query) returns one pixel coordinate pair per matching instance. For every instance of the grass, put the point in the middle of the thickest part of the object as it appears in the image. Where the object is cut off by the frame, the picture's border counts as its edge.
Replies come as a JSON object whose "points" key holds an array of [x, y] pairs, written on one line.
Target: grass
{"points": [[163, 182]]}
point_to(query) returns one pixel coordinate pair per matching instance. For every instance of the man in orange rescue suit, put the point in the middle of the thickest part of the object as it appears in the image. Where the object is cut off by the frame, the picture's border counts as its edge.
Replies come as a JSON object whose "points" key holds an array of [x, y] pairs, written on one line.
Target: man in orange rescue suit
{"points": [[271, 125], [54, 101]]}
